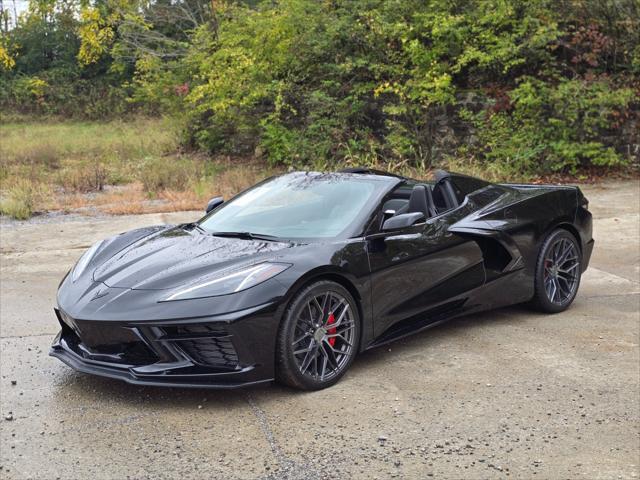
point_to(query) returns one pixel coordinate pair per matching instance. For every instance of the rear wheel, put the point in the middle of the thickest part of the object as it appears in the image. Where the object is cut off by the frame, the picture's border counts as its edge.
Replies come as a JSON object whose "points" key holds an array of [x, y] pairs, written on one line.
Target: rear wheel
{"points": [[318, 337], [558, 272]]}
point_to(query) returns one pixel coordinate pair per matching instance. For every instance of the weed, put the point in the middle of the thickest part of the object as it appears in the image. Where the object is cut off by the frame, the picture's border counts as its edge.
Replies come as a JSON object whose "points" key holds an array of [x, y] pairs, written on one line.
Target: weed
{"points": [[20, 200], [161, 173]]}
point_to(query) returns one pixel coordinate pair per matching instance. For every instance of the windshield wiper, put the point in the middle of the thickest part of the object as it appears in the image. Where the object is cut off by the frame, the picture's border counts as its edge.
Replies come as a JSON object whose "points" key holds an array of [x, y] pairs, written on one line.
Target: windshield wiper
{"points": [[247, 236]]}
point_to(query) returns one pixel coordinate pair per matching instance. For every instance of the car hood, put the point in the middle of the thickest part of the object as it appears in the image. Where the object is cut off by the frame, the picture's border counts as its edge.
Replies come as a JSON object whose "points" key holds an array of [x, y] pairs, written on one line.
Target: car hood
{"points": [[173, 256]]}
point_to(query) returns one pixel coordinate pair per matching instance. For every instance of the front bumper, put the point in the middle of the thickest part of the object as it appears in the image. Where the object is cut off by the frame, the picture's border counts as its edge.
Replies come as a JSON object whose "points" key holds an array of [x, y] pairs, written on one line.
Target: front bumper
{"points": [[230, 351]]}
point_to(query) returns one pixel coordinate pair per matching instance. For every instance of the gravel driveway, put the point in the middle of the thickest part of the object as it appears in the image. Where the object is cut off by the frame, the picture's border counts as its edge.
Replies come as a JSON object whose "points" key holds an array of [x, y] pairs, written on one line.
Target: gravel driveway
{"points": [[506, 394]]}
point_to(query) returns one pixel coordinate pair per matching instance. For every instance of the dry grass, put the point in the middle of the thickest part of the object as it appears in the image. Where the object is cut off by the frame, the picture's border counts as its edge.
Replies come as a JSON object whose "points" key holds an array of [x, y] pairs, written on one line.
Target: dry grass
{"points": [[80, 156], [19, 201], [49, 142], [110, 167], [133, 198]]}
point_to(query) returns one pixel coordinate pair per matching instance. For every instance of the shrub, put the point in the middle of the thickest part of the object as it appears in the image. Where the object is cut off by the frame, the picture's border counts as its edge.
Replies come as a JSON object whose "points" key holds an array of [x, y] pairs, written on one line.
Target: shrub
{"points": [[308, 82], [550, 127]]}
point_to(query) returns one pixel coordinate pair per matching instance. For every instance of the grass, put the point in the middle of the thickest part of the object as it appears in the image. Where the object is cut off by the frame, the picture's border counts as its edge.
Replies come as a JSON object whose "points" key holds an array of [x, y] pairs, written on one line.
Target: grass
{"points": [[116, 167], [137, 166], [37, 149], [19, 201]]}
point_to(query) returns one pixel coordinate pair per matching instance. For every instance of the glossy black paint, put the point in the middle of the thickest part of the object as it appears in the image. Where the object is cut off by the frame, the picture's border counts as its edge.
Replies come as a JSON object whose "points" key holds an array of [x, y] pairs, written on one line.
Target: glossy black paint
{"points": [[478, 255]]}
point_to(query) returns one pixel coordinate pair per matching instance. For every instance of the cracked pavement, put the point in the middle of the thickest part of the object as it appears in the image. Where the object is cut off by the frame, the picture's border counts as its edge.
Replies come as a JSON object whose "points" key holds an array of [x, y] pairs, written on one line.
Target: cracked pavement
{"points": [[505, 394]]}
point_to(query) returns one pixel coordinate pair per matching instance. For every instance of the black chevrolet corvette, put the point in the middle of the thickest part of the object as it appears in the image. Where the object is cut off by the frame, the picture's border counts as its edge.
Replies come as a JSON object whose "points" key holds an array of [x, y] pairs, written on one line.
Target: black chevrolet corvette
{"points": [[292, 278]]}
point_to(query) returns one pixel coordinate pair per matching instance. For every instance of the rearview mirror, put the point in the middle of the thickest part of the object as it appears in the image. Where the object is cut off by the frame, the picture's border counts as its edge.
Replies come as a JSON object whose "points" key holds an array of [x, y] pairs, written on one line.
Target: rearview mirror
{"points": [[213, 203], [401, 221]]}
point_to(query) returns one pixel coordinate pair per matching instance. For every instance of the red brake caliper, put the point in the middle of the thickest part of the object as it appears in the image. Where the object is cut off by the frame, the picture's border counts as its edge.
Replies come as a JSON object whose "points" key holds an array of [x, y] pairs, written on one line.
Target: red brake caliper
{"points": [[331, 331]]}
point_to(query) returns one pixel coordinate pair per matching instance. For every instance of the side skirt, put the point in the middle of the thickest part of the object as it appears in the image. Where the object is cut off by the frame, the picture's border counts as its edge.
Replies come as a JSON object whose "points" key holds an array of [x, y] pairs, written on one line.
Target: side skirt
{"points": [[489, 296], [420, 322]]}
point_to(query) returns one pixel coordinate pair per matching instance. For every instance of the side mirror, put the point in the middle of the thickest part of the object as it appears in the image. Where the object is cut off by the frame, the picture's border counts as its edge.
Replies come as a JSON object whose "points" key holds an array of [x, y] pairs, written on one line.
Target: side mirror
{"points": [[213, 203], [401, 221]]}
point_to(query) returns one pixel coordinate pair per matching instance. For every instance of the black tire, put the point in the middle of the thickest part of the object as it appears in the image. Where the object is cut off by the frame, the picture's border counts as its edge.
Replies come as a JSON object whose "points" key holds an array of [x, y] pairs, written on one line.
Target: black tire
{"points": [[305, 330], [555, 290]]}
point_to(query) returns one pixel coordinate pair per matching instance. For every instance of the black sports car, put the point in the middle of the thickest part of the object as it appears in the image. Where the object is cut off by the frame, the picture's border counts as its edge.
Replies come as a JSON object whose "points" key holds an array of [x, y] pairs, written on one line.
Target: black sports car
{"points": [[293, 277]]}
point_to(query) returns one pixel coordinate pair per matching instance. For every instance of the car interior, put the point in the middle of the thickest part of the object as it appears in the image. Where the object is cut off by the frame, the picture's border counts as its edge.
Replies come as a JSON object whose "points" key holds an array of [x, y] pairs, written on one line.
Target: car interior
{"points": [[429, 199]]}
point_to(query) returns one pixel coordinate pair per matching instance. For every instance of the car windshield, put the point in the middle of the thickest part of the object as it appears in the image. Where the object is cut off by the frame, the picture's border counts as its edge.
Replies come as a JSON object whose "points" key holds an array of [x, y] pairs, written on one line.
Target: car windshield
{"points": [[297, 205]]}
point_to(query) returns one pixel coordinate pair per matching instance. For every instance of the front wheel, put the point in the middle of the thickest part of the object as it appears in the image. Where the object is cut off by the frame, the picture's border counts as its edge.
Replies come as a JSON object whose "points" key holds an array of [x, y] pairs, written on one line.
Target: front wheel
{"points": [[558, 272], [318, 337]]}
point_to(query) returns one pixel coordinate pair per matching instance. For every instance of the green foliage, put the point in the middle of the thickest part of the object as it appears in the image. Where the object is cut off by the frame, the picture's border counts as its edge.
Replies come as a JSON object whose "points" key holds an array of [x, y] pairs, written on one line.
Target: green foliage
{"points": [[304, 81], [551, 128], [309, 82], [47, 77], [63, 92]]}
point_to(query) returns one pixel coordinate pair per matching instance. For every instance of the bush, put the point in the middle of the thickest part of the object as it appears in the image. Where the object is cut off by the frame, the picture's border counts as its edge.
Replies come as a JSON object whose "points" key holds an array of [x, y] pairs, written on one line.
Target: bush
{"points": [[63, 93], [307, 82], [551, 128]]}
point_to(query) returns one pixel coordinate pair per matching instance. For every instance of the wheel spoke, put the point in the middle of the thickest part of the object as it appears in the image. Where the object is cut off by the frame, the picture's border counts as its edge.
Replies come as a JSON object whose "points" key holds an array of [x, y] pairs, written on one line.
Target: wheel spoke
{"points": [[334, 310], [548, 284], [555, 289], [295, 342], [344, 330], [325, 359], [315, 363], [331, 357], [340, 319], [563, 250], [325, 302], [570, 279], [567, 270], [556, 251], [564, 292], [343, 339], [307, 361], [320, 309], [572, 259], [303, 326], [310, 314], [303, 350]]}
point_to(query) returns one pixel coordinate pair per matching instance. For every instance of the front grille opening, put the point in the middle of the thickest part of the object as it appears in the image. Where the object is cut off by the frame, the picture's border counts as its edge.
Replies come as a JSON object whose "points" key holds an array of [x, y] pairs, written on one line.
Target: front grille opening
{"points": [[106, 343], [195, 331], [206, 345], [132, 353], [211, 352]]}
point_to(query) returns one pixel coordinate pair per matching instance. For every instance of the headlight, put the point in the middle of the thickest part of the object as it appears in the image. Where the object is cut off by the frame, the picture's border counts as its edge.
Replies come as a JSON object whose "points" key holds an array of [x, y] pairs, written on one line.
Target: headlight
{"points": [[228, 281], [84, 261]]}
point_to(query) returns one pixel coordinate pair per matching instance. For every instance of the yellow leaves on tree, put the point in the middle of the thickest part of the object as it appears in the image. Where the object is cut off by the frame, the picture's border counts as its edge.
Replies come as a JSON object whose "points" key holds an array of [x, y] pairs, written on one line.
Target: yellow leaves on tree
{"points": [[7, 62], [96, 34]]}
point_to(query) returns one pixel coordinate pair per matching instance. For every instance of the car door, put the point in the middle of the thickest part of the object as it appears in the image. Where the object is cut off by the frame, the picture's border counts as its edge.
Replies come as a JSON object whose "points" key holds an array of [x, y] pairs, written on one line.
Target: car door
{"points": [[419, 269]]}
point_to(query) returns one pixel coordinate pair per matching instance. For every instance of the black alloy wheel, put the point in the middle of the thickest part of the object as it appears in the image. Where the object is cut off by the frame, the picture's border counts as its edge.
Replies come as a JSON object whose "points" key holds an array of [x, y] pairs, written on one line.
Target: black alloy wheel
{"points": [[558, 272], [319, 336]]}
